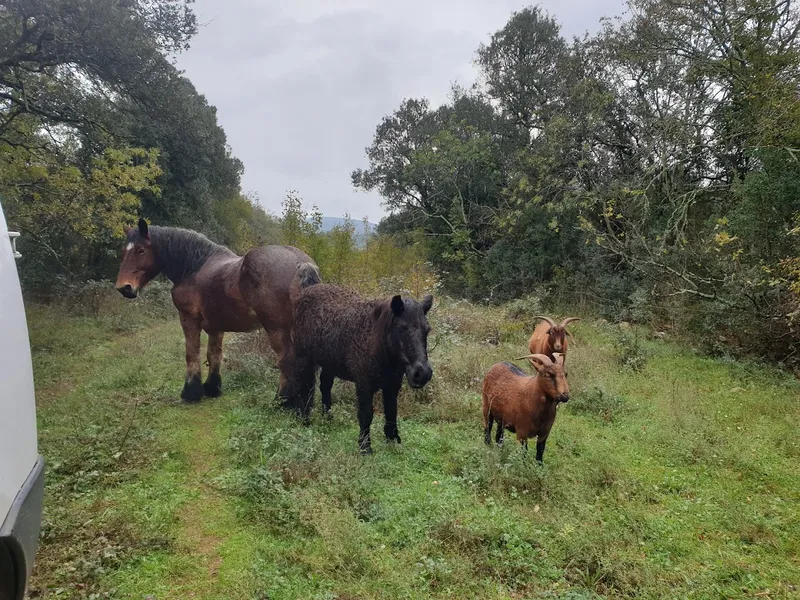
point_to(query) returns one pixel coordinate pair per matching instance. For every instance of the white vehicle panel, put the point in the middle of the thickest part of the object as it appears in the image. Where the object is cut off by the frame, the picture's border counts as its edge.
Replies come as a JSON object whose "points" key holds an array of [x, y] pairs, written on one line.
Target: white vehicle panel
{"points": [[18, 445]]}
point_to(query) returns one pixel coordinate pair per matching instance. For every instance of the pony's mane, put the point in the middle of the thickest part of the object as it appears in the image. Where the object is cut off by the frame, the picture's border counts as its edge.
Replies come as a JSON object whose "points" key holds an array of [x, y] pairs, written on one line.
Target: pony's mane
{"points": [[182, 252]]}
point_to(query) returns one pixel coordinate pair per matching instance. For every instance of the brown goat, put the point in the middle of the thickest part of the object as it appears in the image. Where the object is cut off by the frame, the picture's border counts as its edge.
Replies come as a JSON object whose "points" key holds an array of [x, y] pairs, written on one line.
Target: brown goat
{"points": [[549, 338], [523, 404]]}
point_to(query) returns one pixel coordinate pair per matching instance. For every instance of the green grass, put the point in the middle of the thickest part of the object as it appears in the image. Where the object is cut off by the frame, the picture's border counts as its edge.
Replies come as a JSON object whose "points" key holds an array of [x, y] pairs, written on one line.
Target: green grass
{"points": [[666, 476]]}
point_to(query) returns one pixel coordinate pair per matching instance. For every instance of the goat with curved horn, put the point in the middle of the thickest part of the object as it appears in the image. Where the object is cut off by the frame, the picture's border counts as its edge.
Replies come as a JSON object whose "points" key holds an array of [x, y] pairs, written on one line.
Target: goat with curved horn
{"points": [[550, 338], [523, 404]]}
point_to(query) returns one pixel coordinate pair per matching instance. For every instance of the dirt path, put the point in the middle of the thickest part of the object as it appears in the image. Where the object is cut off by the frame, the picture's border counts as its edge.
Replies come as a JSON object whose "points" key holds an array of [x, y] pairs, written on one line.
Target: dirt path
{"points": [[209, 559]]}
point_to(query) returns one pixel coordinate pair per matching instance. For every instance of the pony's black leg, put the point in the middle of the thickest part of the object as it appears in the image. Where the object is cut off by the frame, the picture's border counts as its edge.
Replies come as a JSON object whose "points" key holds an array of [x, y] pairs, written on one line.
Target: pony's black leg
{"points": [[364, 395], [213, 385], [192, 387], [325, 385], [390, 411], [301, 390], [487, 432]]}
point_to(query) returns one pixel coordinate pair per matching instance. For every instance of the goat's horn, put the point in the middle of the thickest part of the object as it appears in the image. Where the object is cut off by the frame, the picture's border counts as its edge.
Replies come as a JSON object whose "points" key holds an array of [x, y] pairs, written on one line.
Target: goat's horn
{"points": [[548, 319], [542, 358], [567, 331], [559, 357], [569, 320]]}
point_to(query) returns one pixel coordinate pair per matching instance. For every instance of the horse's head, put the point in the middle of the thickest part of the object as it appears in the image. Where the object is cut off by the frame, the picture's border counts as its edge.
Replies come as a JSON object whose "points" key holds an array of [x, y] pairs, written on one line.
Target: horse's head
{"points": [[408, 337], [139, 264]]}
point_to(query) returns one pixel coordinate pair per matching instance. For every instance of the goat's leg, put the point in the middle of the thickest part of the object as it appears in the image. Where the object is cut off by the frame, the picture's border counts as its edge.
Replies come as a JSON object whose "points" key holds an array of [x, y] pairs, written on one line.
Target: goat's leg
{"points": [[540, 442], [365, 411], [501, 430], [487, 430]]}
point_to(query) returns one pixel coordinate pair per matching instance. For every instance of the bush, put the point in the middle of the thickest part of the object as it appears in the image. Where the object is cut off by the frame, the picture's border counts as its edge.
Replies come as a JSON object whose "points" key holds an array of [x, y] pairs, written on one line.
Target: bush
{"points": [[629, 349], [597, 402]]}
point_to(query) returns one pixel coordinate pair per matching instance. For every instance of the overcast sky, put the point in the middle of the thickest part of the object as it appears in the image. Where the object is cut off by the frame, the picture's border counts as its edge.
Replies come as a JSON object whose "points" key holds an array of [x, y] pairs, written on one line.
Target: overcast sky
{"points": [[300, 85]]}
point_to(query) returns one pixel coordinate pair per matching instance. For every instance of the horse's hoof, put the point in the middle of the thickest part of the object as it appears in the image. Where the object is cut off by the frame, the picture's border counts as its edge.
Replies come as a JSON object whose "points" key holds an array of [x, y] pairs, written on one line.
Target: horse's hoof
{"points": [[213, 386], [365, 451], [192, 390], [328, 414]]}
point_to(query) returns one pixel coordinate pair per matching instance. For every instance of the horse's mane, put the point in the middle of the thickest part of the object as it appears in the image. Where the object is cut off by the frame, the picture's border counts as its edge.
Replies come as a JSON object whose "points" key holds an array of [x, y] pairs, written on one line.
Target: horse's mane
{"points": [[182, 252]]}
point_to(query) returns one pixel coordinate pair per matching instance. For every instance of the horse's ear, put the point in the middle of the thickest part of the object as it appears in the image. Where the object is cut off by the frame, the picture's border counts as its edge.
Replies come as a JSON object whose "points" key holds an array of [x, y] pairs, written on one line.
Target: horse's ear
{"points": [[427, 302], [126, 229], [143, 229], [397, 305]]}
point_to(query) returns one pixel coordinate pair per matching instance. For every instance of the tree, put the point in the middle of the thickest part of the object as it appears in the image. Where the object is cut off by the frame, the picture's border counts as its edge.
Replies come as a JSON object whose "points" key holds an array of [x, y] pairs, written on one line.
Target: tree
{"points": [[66, 61], [521, 67]]}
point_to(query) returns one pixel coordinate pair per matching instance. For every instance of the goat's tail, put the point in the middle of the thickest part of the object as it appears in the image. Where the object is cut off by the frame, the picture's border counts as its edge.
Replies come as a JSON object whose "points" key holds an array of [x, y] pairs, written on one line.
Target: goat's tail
{"points": [[307, 274]]}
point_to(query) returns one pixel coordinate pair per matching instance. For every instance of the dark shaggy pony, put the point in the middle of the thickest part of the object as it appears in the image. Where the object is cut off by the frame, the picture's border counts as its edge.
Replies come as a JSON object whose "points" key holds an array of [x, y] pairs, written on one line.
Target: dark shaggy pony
{"points": [[373, 343]]}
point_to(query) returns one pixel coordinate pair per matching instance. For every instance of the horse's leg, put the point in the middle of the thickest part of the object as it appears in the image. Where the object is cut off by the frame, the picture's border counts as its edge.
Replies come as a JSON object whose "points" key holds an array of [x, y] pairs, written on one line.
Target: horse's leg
{"points": [[365, 412], [390, 410], [325, 385], [279, 342], [213, 385], [300, 386], [192, 387]]}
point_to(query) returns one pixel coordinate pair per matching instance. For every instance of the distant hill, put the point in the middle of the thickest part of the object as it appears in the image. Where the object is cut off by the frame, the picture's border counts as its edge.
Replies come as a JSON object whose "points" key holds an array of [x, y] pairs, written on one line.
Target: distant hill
{"points": [[329, 223]]}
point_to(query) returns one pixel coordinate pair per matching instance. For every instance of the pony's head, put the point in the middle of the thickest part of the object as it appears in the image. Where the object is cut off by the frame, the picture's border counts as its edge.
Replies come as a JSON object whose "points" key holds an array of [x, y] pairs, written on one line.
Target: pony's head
{"points": [[139, 264]]}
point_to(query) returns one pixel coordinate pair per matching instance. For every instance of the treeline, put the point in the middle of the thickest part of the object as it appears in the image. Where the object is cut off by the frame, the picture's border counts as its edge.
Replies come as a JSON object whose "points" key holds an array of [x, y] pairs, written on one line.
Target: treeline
{"points": [[97, 127], [652, 169], [374, 264]]}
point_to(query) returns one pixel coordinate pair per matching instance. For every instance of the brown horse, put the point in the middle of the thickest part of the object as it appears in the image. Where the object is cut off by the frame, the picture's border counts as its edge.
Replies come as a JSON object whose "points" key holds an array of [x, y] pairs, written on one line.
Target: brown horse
{"points": [[217, 291]]}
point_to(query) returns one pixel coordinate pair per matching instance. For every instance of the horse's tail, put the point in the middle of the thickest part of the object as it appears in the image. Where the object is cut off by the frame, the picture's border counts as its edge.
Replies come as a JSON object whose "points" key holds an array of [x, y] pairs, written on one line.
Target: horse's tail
{"points": [[306, 275]]}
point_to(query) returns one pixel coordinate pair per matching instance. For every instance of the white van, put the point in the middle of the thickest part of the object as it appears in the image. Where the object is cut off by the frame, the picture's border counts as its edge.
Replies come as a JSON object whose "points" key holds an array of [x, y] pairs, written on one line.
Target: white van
{"points": [[21, 465]]}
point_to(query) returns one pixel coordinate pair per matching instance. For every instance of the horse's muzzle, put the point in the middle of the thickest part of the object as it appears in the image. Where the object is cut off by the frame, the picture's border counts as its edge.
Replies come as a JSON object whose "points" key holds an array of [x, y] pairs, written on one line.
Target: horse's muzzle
{"points": [[418, 375], [128, 290]]}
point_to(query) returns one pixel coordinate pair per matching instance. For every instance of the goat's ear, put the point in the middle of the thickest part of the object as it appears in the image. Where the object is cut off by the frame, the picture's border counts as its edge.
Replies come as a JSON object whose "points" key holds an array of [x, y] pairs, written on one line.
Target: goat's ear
{"points": [[549, 331], [143, 231], [427, 302], [397, 305]]}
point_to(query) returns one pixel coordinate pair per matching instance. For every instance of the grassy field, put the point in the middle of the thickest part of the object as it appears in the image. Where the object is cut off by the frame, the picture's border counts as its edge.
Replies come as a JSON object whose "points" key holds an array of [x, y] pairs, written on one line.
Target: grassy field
{"points": [[667, 475]]}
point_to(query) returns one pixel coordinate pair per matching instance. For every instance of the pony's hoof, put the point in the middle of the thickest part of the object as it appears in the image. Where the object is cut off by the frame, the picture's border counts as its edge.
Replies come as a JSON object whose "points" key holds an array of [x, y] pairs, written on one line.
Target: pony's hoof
{"points": [[192, 390], [328, 414], [365, 451], [391, 433], [213, 386]]}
